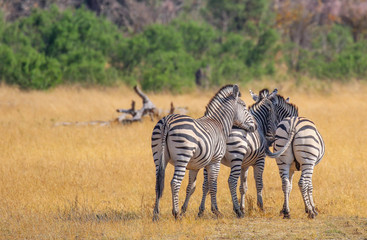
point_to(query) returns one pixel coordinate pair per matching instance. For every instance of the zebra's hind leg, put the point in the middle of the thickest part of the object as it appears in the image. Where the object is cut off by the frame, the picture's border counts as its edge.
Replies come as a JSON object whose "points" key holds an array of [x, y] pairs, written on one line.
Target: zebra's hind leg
{"points": [[286, 187], [205, 192], [232, 182], [213, 171], [243, 188], [175, 187], [305, 184], [258, 175], [310, 189], [190, 189]]}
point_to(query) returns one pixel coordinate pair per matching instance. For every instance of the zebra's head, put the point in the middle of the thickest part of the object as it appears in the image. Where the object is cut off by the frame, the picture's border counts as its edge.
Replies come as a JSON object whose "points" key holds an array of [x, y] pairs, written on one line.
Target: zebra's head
{"points": [[243, 118], [262, 94], [283, 108], [264, 113]]}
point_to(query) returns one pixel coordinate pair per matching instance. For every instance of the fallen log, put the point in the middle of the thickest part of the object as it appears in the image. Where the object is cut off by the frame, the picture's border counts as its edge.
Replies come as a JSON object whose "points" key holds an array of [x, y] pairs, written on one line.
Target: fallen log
{"points": [[148, 108], [131, 115]]}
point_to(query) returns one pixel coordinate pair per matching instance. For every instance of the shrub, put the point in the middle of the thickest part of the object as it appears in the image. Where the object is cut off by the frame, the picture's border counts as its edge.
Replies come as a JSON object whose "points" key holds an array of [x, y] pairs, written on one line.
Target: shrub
{"points": [[50, 47], [172, 70]]}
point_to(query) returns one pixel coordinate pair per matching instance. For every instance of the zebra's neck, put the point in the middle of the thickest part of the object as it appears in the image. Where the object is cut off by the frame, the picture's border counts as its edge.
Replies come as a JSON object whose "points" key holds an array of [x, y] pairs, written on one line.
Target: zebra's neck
{"points": [[261, 124], [223, 114], [221, 109], [285, 109], [261, 114]]}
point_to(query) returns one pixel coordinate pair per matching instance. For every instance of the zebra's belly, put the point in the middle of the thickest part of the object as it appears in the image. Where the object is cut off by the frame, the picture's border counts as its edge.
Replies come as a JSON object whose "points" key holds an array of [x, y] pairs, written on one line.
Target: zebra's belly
{"points": [[226, 162], [253, 157], [196, 163]]}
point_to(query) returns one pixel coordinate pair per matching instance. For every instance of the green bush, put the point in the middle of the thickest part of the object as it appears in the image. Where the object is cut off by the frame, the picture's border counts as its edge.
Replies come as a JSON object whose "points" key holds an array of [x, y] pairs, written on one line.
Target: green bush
{"points": [[28, 68], [51, 47], [334, 55], [171, 70]]}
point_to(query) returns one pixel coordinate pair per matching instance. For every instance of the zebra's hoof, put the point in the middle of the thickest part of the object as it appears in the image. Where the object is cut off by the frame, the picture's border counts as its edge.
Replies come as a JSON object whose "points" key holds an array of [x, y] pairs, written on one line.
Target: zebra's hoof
{"points": [[218, 214], [183, 211], [240, 214], [311, 215], [260, 205], [155, 217], [242, 209], [201, 213], [176, 214], [285, 214], [281, 212]]}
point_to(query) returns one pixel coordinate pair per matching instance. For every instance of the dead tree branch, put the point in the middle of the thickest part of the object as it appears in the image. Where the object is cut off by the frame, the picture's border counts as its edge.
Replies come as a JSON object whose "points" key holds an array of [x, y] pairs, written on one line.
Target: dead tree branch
{"points": [[148, 108]]}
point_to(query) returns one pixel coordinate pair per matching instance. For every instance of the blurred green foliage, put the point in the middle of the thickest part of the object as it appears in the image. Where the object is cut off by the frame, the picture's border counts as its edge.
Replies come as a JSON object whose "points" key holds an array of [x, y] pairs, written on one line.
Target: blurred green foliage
{"points": [[235, 41], [51, 47], [334, 55]]}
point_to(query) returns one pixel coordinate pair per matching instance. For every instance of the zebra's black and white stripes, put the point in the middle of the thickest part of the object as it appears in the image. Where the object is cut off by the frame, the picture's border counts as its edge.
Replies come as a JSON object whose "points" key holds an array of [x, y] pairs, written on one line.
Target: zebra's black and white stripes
{"points": [[245, 149], [248, 149], [189, 143], [299, 147]]}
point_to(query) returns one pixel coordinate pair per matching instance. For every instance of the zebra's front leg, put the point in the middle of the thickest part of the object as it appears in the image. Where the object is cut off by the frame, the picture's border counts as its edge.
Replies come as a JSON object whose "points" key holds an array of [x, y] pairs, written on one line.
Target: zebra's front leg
{"points": [[232, 182], [286, 187], [205, 192], [190, 189], [213, 171], [258, 175], [175, 188], [243, 188]]}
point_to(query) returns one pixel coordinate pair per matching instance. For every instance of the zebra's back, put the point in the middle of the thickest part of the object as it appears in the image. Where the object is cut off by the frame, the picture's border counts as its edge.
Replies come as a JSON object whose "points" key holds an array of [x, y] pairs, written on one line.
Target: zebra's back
{"points": [[243, 147]]}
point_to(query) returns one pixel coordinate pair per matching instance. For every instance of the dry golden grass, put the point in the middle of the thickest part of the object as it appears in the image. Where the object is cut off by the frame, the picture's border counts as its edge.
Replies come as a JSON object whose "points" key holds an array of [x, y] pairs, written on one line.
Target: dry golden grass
{"points": [[93, 182]]}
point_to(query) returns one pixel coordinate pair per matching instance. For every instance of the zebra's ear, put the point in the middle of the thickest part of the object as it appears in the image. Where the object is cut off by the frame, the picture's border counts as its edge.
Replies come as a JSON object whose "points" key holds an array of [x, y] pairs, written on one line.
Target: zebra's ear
{"points": [[287, 100], [272, 96], [254, 96], [236, 91]]}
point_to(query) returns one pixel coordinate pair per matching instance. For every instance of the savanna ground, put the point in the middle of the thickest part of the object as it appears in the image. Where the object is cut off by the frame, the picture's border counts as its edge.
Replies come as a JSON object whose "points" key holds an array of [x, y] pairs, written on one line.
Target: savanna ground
{"points": [[95, 182]]}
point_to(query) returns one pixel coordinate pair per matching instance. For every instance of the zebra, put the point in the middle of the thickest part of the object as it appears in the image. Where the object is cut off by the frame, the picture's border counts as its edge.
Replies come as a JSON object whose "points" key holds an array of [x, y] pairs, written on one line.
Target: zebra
{"points": [[193, 144], [244, 149], [298, 146]]}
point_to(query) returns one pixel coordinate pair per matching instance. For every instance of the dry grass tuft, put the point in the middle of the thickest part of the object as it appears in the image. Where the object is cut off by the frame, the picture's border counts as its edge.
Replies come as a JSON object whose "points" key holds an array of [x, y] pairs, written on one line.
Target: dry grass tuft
{"points": [[93, 182]]}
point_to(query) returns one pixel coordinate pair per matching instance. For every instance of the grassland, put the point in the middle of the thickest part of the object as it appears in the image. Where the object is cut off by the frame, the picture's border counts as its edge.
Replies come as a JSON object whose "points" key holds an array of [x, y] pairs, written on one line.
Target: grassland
{"points": [[94, 182]]}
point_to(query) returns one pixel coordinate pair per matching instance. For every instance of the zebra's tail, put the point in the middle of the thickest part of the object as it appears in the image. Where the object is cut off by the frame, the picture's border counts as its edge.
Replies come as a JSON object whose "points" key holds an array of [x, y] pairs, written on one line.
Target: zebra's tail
{"points": [[284, 148], [162, 164]]}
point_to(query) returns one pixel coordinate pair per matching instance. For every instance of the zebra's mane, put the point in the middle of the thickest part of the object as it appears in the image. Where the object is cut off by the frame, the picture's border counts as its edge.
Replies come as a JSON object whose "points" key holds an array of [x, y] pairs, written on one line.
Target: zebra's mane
{"points": [[281, 100], [222, 93], [290, 106]]}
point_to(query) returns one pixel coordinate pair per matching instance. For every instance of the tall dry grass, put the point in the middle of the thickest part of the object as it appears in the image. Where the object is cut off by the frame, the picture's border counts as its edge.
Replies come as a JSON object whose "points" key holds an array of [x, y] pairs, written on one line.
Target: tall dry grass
{"points": [[94, 182]]}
